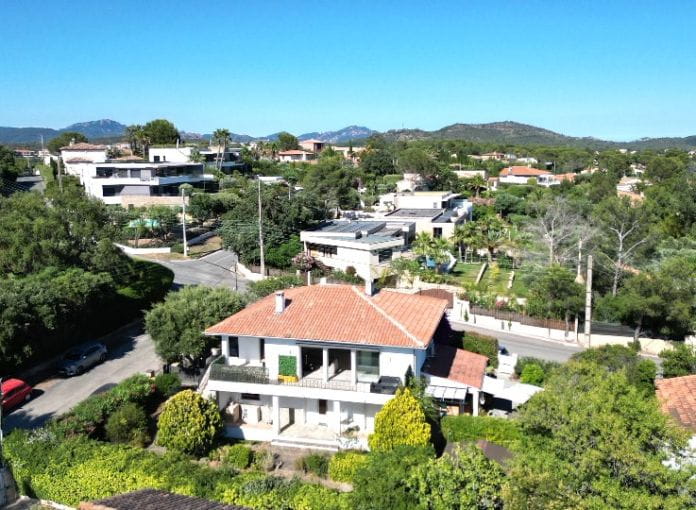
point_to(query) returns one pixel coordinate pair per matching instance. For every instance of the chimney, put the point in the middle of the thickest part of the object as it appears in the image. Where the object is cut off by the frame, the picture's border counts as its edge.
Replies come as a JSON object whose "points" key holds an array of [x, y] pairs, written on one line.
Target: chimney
{"points": [[72, 142], [369, 289], [279, 301]]}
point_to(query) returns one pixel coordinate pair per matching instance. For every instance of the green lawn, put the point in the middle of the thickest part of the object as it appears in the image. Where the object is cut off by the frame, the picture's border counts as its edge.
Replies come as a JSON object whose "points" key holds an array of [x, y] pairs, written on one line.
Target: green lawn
{"points": [[465, 272]]}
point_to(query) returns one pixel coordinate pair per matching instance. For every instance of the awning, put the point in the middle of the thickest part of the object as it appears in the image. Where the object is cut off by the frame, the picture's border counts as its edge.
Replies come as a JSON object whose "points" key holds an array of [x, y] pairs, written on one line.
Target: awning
{"points": [[446, 392]]}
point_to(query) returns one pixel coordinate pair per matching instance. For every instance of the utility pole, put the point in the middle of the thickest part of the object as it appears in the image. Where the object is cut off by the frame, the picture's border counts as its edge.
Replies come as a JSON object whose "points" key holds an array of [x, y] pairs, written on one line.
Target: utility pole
{"points": [[60, 174], [263, 263], [183, 220], [578, 279], [588, 302]]}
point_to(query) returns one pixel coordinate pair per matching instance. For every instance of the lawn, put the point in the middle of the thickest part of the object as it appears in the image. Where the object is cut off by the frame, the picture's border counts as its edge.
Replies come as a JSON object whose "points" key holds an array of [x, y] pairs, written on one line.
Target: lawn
{"points": [[492, 281], [465, 272]]}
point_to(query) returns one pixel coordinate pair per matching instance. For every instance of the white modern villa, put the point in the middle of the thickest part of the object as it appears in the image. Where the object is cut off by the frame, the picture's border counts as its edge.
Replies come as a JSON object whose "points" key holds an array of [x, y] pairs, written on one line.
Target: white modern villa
{"points": [[311, 366], [366, 246]]}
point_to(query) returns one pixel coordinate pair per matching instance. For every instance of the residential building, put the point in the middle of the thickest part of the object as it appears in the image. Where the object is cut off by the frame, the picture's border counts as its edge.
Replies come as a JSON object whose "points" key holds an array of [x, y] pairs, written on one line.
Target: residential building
{"points": [[527, 160], [311, 366], [231, 157], [468, 173], [296, 156], [350, 153], [129, 181], [434, 212], [366, 246], [315, 146], [522, 174], [410, 182], [497, 156], [677, 397]]}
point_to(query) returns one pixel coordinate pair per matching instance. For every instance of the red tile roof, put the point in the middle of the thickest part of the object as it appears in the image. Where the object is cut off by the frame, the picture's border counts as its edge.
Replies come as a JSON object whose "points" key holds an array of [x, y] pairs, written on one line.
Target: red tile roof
{"points": [[340, 313], [458, 365], [294, 151], [82, 146], [78, 160], [677, 396], [521, 171]]}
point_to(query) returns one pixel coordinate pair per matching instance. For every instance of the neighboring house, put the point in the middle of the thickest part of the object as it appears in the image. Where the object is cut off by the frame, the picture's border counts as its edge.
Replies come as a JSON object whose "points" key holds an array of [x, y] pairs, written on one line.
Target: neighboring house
{"points": [[126, 182], [366, 246], [522, 174], [350, 153], [155, 499], [231, 157], [434, 212], [469, 173], [497, 156], [554, 179], [312, 366], [315, 146], [296, 155], [677, 397], [410, 182], [527, 160], [628, 184]]}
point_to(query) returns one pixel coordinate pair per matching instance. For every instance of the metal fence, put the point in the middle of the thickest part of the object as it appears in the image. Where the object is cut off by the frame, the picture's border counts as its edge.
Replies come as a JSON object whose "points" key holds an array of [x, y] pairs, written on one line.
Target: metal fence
{"points": [[507, 315]]}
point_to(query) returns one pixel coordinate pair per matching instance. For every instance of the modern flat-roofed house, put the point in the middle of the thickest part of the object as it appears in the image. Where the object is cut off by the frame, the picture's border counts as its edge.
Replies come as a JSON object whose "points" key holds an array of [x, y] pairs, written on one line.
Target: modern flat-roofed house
{"points": [[366, 246], [522, 174], [296, 155], [311, 366], [231, 157], [315, 146], [434, 212]]}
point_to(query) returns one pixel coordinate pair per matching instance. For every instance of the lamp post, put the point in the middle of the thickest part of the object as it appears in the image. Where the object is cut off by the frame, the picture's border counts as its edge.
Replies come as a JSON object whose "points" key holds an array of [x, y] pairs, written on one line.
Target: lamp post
{"points": [[183, 218]]}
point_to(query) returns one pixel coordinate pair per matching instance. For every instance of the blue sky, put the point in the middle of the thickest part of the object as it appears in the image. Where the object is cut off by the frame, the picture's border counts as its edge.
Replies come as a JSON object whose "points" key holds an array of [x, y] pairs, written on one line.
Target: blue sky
{"points": [[607, 68]]}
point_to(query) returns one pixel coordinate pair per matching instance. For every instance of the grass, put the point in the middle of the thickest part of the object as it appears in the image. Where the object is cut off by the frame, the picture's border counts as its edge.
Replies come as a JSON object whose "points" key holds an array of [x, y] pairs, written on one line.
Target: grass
{"points": [[466, 272]]}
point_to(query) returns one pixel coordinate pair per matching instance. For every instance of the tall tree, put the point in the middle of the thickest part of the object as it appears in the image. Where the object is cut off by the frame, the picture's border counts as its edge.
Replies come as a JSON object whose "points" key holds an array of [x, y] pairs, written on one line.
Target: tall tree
{"points": [[160, 131], [54, 145], [221, 137], [556, 295], [287, 141]]}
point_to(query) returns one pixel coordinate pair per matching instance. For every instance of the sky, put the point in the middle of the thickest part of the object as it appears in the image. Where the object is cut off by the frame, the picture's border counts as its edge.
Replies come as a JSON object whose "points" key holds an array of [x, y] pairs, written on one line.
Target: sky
{"points": [[612, 69]]}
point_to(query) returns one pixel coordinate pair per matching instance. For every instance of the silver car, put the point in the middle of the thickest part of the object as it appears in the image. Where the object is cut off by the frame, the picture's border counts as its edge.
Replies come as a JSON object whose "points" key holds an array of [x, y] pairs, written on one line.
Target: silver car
{"points": [[77, 361]]}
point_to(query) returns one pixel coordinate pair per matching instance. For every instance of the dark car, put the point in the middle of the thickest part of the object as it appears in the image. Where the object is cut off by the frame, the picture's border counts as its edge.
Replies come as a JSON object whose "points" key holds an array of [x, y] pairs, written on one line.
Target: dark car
{"points": [[77, 361], [14, 392]]}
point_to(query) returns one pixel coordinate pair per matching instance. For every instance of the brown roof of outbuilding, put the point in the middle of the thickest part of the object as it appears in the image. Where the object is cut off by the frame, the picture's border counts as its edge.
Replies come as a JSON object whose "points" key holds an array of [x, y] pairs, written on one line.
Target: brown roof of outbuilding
{"points": [[78, 160], [522, 171], [677, 397], [340, 313], [152, 499], [458, 365], [83, 146]]}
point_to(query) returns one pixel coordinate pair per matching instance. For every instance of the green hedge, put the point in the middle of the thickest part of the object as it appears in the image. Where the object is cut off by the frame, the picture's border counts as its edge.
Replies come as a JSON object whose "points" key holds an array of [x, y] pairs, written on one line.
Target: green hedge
{"points": [[313, 463], [470, 428], [80, 469], [236, 456], [344, 465], [287, 365]]}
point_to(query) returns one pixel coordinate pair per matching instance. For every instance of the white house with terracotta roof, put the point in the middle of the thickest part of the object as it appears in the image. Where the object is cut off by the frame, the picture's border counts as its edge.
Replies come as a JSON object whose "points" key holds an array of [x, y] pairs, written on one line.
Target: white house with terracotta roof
{"points": [[296, 155], [315, 146], [311, 366], [522, 174]]}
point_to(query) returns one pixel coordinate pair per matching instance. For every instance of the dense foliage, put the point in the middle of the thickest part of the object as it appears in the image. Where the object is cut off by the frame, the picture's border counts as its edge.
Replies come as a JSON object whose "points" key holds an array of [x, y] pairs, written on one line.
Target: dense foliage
{"points": [[471, 428], [679, 361], [401, 421], [189, 423], [482, 344], [344, 465], [615, 358], [237, 456]]}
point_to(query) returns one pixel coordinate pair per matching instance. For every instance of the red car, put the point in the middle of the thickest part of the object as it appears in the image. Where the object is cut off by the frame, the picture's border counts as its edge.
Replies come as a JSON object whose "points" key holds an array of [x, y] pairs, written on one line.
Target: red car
{"points": [[14, 392]]}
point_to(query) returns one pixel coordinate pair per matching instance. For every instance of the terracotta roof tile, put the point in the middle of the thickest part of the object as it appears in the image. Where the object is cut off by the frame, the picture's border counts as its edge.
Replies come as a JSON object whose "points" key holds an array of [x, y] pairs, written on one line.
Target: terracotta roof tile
{"points": [[522, 171], [677, 397], [458, 365], [78, 160], [82, 146], [340, 313]]}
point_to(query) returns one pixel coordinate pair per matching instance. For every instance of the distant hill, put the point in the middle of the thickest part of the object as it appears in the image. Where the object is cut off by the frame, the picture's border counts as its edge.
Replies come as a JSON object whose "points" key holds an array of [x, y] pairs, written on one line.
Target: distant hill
{"points": [[341, 136], [97, 129], [515, 133]]}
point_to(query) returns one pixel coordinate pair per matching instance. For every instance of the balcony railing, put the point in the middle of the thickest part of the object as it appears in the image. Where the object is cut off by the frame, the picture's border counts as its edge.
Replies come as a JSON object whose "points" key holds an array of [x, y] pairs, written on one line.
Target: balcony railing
{"points": [[219, 371]]}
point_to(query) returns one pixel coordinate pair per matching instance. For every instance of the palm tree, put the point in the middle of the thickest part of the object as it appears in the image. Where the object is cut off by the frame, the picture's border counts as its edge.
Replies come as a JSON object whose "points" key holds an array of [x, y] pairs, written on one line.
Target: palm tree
{"points": [[221, 137], [441, 250], [492, 232], [475, 184], [466, 236], [422, 244]]}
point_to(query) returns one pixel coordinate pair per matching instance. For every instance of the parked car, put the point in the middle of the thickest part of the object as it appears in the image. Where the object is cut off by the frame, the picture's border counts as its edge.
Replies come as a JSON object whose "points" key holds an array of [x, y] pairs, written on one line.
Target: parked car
{"points": [[14, 392], [78, 360]]}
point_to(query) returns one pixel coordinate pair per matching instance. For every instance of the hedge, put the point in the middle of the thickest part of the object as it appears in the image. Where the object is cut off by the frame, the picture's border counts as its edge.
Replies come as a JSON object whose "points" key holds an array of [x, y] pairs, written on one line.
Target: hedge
{"points": [[470, 428], [287, 365], [81, 469], [236, 456], [344, 465]]}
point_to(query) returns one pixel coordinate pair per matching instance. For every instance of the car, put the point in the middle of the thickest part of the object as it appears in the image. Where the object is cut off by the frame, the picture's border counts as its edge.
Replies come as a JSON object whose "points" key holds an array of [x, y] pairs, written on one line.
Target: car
{"points": [[14, 392], [77, 361]]}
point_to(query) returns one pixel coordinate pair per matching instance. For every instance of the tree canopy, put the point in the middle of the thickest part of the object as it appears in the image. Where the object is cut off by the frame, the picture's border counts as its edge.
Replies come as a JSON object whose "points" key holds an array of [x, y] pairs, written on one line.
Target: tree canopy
{"points": [[62, 140]]}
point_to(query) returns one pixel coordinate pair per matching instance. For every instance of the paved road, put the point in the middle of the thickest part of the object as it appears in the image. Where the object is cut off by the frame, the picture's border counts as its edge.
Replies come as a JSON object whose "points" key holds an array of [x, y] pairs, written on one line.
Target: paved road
{"points": [[55, 396], [525, 346], [214, 269]]}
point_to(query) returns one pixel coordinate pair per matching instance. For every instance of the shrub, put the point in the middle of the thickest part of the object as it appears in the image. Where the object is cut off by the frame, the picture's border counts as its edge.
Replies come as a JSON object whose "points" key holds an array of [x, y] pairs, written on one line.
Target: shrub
{"points": [[482, 344], [189, 423], [546, 366], [532, 374], [262, 288], [679, 361], [236, 456], [128, 424], [136, 388], [400, 422], [344, 465], [614, 358], [313, 463], [470, 428], [287, 365], [167, 384], [263, 460]]}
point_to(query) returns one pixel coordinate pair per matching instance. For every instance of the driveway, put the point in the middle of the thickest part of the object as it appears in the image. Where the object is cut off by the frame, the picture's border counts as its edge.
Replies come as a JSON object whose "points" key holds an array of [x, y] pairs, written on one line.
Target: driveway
{"points": [[550, 350], [215, 269], [134, 353]]}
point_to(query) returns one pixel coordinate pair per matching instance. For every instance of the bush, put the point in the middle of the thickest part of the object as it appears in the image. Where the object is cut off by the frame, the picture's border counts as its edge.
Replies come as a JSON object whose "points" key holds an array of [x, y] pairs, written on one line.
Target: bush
{"points": [[287, 365], [128, 424], [470, 428], [344, 465], [546, 366], [189, 423], [136, 388], [614, 358], [262, 288], [263, 460], [236, 456], [400, 422], [533, 374], [482, 344], [679, 361], [167, 384], [313, 463]]}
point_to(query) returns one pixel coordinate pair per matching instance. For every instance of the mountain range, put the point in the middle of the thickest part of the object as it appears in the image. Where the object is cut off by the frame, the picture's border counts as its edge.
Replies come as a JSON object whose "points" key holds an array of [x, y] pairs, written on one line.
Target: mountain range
{"points": [[506, 133]]}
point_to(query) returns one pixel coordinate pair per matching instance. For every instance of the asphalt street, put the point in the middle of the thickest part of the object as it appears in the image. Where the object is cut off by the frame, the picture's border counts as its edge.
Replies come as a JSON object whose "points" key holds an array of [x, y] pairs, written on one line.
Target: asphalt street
{"points": [[215, 269], [135, 353], [550, 350]]}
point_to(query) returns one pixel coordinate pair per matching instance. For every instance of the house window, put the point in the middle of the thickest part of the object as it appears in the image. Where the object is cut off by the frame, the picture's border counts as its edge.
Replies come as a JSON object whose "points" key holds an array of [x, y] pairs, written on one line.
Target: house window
{"points": [[323, 404], [368, 363], [135, 173], [437, 232], [251, 396], [323, 250], [384, 255], [156, 159], [234, 346], [262, 348]]}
